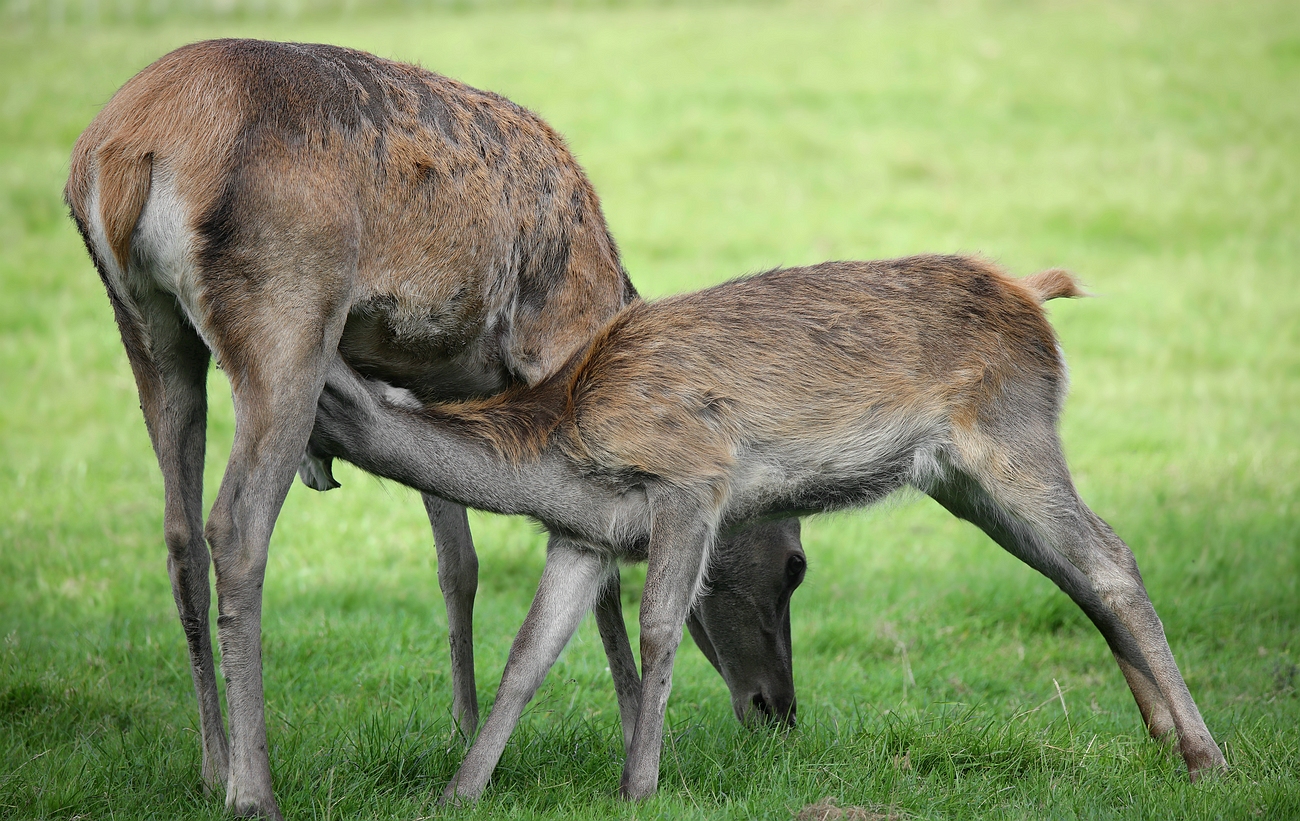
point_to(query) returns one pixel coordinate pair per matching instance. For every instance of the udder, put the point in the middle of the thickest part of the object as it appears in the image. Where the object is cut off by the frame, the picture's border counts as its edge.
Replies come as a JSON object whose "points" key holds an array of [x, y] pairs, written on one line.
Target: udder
{"points": [[443, 354]]}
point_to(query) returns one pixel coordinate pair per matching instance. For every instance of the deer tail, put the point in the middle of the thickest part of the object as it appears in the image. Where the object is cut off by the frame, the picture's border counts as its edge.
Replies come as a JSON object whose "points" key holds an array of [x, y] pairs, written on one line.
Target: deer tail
{"points": [[124, 174], [1052, 284]]}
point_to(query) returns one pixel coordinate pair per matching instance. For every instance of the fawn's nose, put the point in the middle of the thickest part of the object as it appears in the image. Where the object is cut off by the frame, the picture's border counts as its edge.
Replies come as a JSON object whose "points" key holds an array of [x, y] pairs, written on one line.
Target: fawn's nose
{"points": [[778, 708]]}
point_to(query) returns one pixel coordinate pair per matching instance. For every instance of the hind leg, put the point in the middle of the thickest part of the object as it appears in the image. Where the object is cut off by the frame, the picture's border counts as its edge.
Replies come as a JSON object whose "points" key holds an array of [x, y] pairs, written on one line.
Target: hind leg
{"points": [[276, 370], [458, 579], [618, 652], [967, 500], [170, 363], [1027, 479]]}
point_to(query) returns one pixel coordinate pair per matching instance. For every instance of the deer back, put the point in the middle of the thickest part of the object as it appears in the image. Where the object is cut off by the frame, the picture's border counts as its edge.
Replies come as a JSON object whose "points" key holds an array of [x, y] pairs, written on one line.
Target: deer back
{"points": [[833, 373], [455, 225]]}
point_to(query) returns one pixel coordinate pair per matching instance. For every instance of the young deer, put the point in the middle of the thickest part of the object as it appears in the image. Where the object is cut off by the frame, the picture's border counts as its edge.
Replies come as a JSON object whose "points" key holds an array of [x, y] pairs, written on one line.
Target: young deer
{"points": [[278, 205], [790, 392]]}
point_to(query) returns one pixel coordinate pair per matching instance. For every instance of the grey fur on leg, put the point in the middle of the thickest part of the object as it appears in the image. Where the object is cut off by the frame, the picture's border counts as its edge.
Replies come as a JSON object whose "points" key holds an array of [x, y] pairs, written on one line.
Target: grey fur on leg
{"points": [[458, 579], [1133, 607], [177, 424], [618, 651], [239, 530], [1042, 497], [273, 420], [965, 499], [680, 542], [571, 583]]}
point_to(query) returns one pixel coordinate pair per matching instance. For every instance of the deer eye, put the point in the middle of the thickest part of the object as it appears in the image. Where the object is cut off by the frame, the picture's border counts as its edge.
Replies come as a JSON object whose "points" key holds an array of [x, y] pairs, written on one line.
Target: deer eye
{"points": [[795, 566]]}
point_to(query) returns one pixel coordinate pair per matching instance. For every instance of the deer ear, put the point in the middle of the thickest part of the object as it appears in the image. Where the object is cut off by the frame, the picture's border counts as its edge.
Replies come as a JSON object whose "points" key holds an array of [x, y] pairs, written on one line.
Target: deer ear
{"points": [[315, 472]]}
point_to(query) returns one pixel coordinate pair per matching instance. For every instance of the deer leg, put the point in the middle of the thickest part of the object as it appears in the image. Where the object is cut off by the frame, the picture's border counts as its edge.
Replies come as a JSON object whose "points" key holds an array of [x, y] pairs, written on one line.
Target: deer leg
{"points": [[678, 550], [967, 500], [458, 578], [618, 651], [570, 585], [275, 381], [1032, 484], [1109, 564], [170, 363]]}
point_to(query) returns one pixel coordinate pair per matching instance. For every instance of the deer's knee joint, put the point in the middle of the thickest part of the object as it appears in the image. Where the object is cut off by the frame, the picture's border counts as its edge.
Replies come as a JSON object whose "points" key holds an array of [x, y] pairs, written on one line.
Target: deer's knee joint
{"points": [[179, 536], [239, 573], [659, 640], [1128, 600], [237, 563]]}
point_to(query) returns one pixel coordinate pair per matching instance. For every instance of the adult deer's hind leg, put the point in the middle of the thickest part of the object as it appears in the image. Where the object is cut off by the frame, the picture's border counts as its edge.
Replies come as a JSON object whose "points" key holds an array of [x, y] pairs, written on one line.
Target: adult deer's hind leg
{"points": [[458, 579], [1028, 479], [276, 360], [618, 652], [170, 363]]}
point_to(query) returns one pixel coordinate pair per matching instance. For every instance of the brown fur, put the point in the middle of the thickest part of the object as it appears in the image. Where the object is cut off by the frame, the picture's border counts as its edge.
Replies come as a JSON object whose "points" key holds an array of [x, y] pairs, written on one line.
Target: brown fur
{"points": [[794, 391], [275, 205], [833, 318], [401, 183]]}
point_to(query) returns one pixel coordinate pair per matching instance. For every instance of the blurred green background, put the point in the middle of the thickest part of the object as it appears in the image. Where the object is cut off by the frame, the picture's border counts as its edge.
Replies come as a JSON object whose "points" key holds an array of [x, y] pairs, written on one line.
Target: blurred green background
{"points": [[1150, 147]]}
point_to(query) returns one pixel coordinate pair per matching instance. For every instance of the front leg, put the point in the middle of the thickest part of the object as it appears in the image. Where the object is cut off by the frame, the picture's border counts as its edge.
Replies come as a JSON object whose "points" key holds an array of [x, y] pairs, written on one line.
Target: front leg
{"points": [[570, 585], [678, 550]]}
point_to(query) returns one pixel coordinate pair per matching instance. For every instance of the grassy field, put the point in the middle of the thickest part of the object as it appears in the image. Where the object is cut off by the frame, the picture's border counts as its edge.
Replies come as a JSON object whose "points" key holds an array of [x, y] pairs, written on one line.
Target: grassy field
{"points": [[1152, 148]]}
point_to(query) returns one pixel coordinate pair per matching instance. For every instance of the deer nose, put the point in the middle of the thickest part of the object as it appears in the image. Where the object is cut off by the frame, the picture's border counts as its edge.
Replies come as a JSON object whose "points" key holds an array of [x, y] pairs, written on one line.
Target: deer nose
{"points": [[775, 708]]}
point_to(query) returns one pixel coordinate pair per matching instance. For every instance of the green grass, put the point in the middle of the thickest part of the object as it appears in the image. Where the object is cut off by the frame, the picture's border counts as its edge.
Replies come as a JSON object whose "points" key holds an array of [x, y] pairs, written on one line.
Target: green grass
{"points": [[1152, 148]]}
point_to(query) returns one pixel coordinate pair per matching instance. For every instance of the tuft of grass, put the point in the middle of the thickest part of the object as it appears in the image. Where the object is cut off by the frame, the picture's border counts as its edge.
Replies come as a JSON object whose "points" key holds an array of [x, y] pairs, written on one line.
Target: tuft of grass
{"points": [[1149, 147]]}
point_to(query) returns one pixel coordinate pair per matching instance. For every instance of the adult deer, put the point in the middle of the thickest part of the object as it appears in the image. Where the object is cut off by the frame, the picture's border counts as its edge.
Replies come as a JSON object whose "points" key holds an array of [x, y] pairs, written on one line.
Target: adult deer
{"points": [[278, 205], [794, 391]]}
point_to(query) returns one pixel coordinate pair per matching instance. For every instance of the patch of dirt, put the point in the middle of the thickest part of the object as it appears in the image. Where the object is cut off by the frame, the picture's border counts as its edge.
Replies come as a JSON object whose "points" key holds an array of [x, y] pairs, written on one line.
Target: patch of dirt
{"points": [[828, 810]]}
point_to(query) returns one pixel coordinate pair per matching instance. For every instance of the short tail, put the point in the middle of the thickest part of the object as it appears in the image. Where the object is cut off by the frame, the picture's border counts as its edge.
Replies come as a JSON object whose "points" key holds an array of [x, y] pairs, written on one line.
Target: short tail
{"points": [[124, 177], [1052, 284]]}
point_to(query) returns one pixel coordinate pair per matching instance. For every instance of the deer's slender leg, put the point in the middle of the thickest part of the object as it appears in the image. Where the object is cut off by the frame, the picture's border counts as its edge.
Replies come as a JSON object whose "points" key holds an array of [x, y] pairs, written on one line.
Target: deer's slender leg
{"points": [[1032, 484], [170, 363], [570, 585], [1109, 564], [458, 578], [618, 651], [679, 547], [276, 372], [270, 434], [967, 500]]}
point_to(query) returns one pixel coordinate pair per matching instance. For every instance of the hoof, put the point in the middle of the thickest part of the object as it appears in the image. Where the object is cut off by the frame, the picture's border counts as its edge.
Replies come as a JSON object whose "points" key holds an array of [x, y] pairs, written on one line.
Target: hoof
{"points": [[250, 810], [247, 806], [1210, 770], [1204, 762], [628, 792]]}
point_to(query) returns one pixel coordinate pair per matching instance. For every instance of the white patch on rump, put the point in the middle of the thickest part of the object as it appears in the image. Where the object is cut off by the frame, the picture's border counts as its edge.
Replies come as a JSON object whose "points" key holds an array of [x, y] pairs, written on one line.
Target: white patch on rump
{"points": [[162, 249]]}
